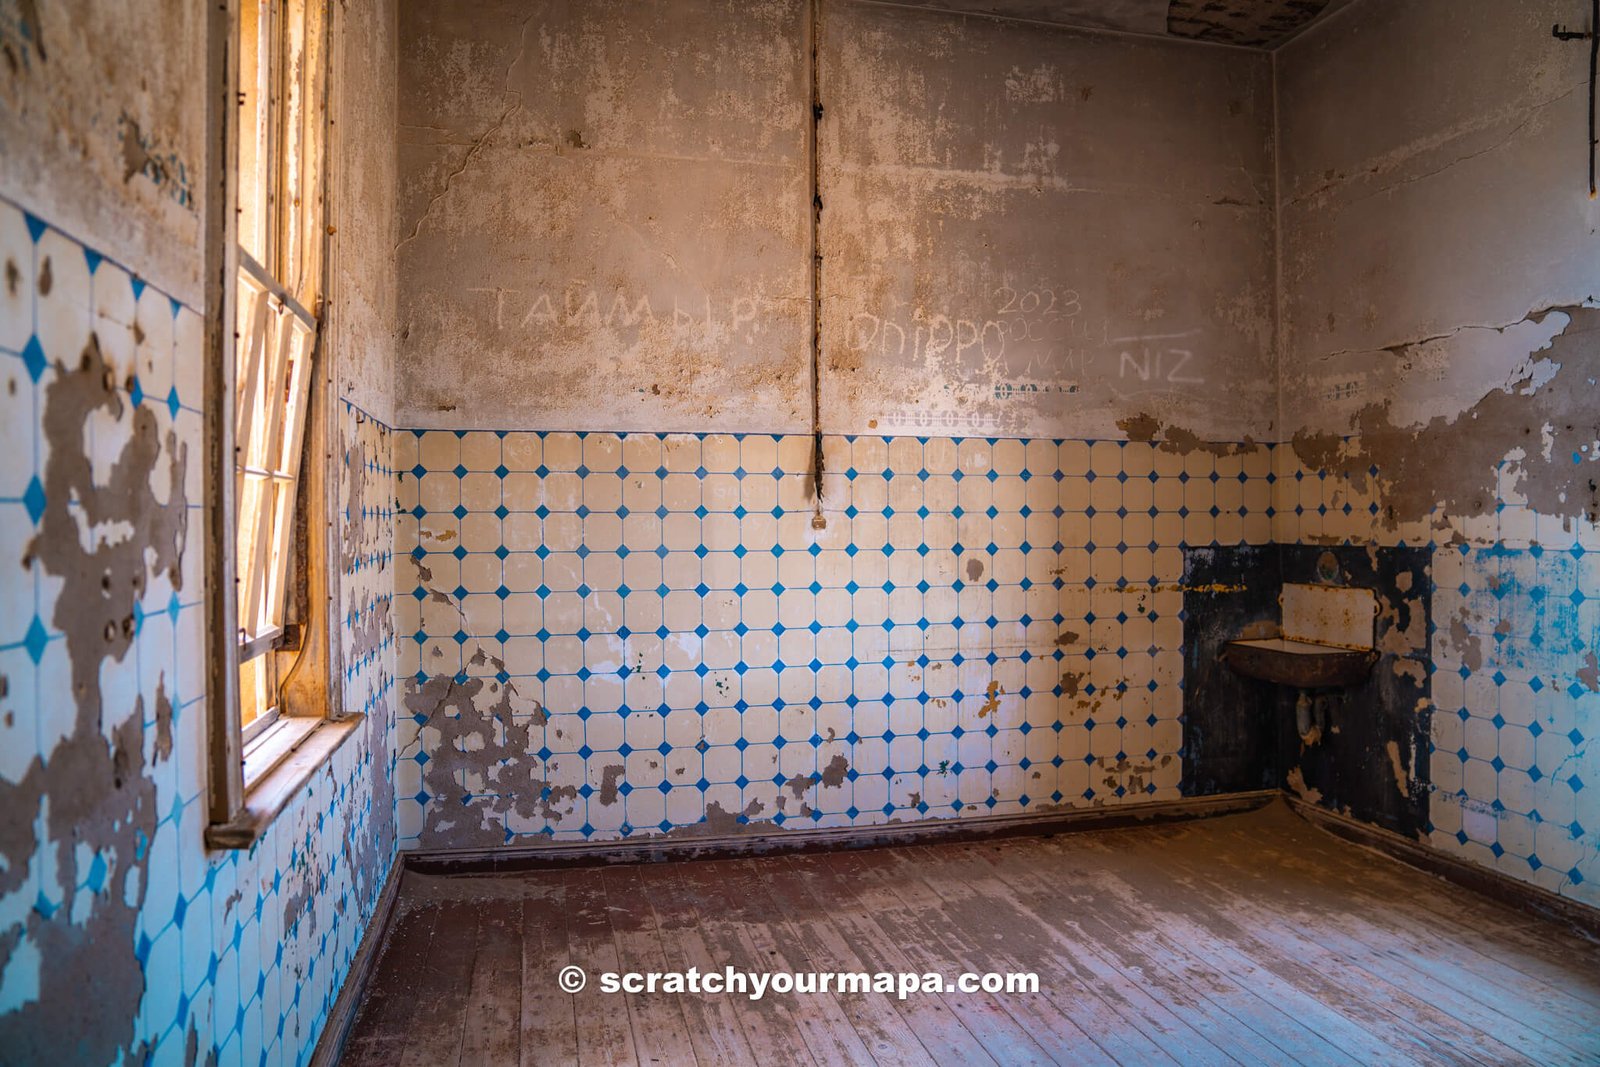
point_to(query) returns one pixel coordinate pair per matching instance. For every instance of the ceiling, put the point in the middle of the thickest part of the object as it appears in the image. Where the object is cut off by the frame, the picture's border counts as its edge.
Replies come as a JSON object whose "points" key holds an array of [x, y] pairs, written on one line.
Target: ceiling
{"points": [[1247, 23]]}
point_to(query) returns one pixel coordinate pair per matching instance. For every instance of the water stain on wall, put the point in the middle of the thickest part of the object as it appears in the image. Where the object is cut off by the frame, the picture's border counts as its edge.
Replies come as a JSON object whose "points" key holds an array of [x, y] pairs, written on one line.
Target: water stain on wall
{"points": [[1147, 428], [141, 155]]}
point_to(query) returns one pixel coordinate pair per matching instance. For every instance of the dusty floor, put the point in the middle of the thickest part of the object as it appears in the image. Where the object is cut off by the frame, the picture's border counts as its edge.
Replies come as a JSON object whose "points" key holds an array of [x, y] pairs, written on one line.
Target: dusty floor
{"points": [[1253, 939]]}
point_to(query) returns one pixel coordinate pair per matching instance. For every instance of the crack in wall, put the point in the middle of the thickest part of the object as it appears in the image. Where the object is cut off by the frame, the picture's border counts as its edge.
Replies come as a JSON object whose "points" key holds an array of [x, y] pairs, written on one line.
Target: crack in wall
{"points": [[1390, 162], [1402, 348], [476, 146]]}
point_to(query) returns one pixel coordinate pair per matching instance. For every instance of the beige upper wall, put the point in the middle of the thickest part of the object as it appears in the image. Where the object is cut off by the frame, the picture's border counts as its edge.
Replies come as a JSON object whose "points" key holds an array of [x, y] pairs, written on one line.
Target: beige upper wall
{"points": [[604, 216], [559, 166], [363, 212], [1434, 187], [102, 128], [1040, 232]]}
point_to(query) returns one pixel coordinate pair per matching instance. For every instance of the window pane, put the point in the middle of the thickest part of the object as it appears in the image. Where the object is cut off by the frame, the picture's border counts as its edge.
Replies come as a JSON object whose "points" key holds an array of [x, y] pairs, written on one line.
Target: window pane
{"points": [[254, 700], [282, 45], [255, 127], [273, 383]]}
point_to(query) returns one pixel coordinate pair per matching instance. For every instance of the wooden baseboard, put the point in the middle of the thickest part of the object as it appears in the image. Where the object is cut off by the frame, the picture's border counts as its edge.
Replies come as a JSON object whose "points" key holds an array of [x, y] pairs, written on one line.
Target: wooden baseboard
{"points": [[342, 1016], [1524, 896], [929, 831]]}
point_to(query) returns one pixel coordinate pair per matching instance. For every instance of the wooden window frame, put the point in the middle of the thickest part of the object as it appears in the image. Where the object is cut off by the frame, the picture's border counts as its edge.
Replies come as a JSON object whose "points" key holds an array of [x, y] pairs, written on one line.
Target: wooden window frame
{"points": [[277, 344], [252, 778]]}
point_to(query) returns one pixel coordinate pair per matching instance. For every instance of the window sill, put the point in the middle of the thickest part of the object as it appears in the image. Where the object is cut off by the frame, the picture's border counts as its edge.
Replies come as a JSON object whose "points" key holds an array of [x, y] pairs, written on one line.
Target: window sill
{"points": [[281, 739], [273, 788]]}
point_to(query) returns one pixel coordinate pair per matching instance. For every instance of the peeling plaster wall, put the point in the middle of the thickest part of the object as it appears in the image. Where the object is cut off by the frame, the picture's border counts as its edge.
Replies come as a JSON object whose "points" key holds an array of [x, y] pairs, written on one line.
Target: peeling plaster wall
{"points": [[363, 321], [604, 215], [109, 141], [121, 938], [1439, 366], [1026, 231], [1029, 231], [1035, 243]]}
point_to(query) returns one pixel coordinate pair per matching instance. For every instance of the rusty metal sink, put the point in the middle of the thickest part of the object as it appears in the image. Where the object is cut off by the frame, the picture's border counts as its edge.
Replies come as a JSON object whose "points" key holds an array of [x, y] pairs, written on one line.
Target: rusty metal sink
{"points": [[1300, 664]]}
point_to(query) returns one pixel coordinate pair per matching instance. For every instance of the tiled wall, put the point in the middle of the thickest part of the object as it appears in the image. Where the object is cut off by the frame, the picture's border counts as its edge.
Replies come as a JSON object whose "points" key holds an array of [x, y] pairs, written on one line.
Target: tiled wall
{"points": [[366, 504], [108, 893], [1515, 770], [606, 635]]}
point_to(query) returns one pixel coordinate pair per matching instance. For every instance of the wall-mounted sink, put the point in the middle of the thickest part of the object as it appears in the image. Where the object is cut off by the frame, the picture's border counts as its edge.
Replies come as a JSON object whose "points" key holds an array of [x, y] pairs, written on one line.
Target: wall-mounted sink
{"points": [[1301, 664], [1327, 639]]}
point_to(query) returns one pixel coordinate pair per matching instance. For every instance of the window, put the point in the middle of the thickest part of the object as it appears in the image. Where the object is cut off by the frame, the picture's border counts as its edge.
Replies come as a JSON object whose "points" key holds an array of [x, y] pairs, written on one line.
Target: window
{"points": [[276, 339], [271, 581]]}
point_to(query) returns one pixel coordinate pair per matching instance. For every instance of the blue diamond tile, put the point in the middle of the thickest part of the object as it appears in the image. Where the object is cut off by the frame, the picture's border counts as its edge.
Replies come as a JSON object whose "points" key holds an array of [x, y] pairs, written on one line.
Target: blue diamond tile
{"points": [[97, 873], [34, 500], [33, 358], [35, 640]]}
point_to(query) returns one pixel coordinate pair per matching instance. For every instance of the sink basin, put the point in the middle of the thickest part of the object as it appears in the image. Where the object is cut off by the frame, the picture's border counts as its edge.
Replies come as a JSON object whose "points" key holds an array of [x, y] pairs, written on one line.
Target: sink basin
{"points": [[1301, 664]]}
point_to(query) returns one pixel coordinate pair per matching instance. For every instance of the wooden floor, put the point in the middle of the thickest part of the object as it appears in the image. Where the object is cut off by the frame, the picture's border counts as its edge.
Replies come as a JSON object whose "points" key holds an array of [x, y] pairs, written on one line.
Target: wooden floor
{"points": [[1252, 939]]}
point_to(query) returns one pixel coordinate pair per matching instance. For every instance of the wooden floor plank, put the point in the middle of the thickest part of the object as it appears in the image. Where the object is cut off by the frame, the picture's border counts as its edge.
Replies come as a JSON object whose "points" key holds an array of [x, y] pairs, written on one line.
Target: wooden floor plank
{"points": [[890, 1036], [851, 919], [1250, 939], [1300, 1027], [378, 1034], [605, 1025], [1500, 957], [438, 1021], [1052, 1020], [767, 1024], [1290, 944], [1089, 984], [827, 1029], [860, 917], [918, 937], [660, 1030], [1542, 1022], [1215, 1009], [714, 1026], [493, 1032], [549, 1023]]}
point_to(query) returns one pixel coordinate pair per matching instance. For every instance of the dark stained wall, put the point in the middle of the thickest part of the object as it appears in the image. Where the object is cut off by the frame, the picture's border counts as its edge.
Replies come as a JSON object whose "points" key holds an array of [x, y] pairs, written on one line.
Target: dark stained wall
{"points": [[1440, 361]]}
